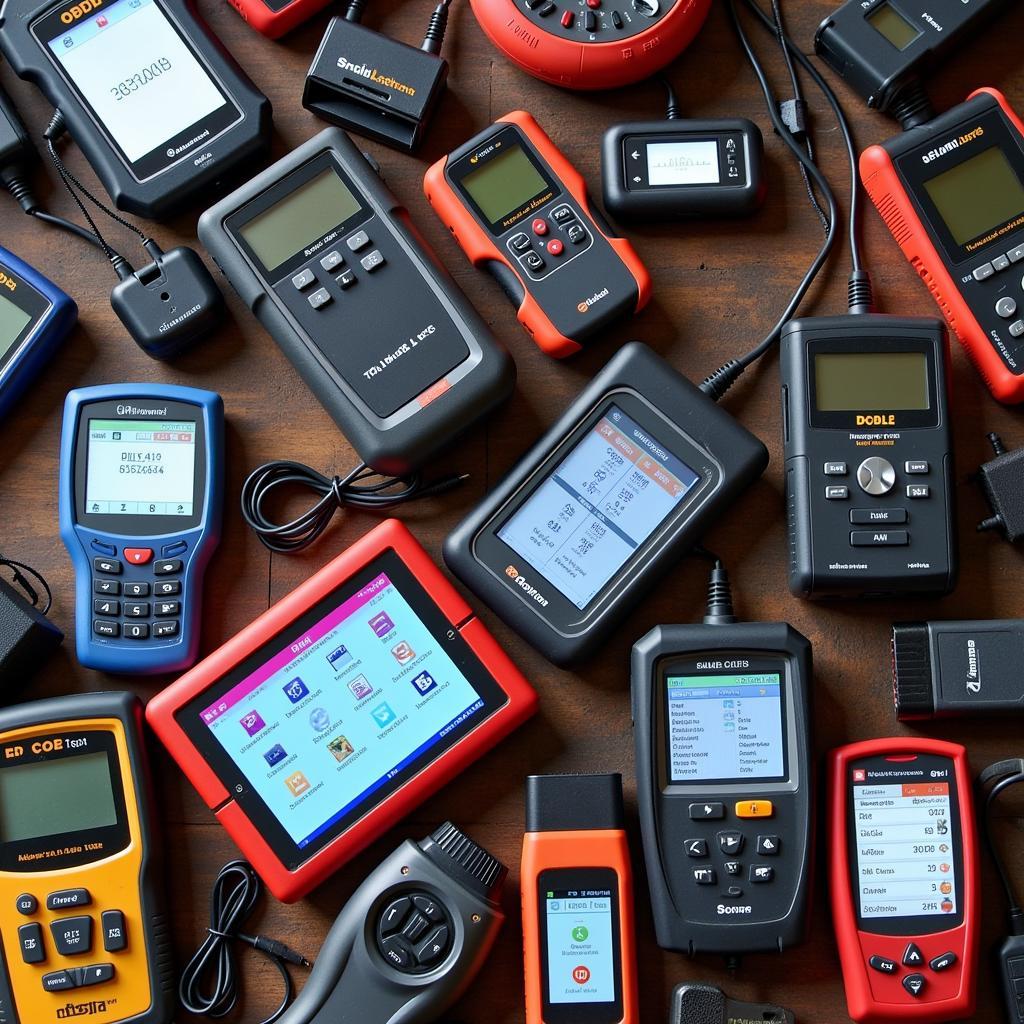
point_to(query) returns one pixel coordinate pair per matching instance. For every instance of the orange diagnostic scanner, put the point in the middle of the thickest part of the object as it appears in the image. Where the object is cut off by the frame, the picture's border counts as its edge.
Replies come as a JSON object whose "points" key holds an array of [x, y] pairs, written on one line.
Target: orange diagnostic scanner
{"points": [[521, 211], [577, 891]]}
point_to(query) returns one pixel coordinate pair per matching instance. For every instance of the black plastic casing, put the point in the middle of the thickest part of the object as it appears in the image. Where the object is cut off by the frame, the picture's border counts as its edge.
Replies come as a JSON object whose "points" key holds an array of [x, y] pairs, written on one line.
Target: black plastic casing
{"points": [[691, 918], [823, 562], [677, 414], [371, 320], [740, 153], [27, 637], [574, 803], [200, 169]]}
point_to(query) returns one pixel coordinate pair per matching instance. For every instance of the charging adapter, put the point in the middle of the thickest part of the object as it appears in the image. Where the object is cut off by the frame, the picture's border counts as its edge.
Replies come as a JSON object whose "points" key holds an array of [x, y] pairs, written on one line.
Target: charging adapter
{"points": [[1002, 480], [376, 86], [27, 636]]}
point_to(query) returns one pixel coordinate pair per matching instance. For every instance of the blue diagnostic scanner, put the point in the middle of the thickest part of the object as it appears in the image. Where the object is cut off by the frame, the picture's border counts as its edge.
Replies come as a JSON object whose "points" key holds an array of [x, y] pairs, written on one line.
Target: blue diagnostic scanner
{"points": [[141, 490], [35, 317]]}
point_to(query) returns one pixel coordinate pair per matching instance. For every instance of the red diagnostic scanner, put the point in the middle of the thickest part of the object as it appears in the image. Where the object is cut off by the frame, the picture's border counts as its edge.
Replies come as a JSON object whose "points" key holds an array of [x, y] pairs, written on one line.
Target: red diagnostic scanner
{"points": [[340, 709], [904, 879], [521, 211]]}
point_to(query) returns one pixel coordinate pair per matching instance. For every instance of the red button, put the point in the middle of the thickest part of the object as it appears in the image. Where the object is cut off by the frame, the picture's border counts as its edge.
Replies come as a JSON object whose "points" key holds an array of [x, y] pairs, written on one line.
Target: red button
{"points": [[555, 247], [138, 556], [594, 3], [540, 225], [567, 19]]}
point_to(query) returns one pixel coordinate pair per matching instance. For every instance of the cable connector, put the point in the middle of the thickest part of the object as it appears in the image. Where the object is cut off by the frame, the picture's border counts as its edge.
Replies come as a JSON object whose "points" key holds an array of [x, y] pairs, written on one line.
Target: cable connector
{"points": [[1002, 480], [860, 294], [716, 384], [275, 949], [434, 36], [794, 117], [719, 603]]}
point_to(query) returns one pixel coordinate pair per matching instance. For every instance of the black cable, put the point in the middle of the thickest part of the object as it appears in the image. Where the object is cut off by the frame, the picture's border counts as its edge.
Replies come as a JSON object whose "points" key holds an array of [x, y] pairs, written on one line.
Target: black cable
{"points": [[67, 225], [673, 111], [336, 492], [1009, 773], [19, 571], [434, 36], [234, 897]]}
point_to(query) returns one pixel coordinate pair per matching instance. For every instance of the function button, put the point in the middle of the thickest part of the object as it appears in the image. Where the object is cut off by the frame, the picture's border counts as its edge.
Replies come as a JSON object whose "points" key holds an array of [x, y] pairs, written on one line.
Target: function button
{"points": [[360, 240], [866, 516], [167, 567], [706, 811], [162, 609], [64, 898], [837, 492], [616, 19], [1000, 263], [1016, 255], [433, 947], [136, 590], [762, 873], [912, 956], [415, 927], [429, 908], [30, 939], [916, 466], [730, 843], [768, 846], [540, 225], [109, 587], [835, 469], [332, 260], [733, 867], [345, 280], [576, 233], [102, 548], [567, 19], [914, 984], [397, 953], [136, 630], [165, 629], [734, 892], [95, 974], [520, 242], [176, 547], [136, 609], [754, 809], [320, 298], [589, 21], [72, 935], [562, 215], [114, 937], [166, 588], [876, 476], [943, 962], [882, 964], [985, 271], [696, 847], [546, 9], [303, 279], [919, 491], [879, 538], [108, 566], [1017, 328], [705, 876], [60, 981], [372, 261], [104, 606], [394, 914], [1006, 307], [138, 556], [104, 627], [593, 4], [533, 261], [26, 904], [555, 247], [532, 5]]}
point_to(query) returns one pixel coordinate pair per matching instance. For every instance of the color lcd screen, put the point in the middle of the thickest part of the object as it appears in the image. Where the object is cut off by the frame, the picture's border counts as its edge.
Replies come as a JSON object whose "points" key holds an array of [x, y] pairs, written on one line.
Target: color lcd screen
{"points": [[887, 21], [505, 183], [13, 320], [977, 196], [598, 507], [725, 728], [871, 381], [137, 73], [683, 163], [904, 843], [329, 716], [48, 798], [142, 468], [580, 951], [304, 217]]}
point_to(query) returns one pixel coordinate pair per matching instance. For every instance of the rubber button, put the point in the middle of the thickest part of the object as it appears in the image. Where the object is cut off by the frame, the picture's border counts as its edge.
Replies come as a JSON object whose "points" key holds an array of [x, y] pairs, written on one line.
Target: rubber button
{"points": [[912, 956], [138, 556], [433, 947], [59, 981], [397, 953], [555, 247], [914, 984], [567, 19], [428, 908], [114, 937], [26, 904], [942, 963], [754, 809], [96, 974], [64, 898], [882, 964], [540, 225]]}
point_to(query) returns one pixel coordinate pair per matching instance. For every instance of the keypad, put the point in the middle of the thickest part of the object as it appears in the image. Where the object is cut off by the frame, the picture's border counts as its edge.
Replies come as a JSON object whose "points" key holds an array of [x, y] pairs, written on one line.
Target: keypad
{"points": [[336, 270], [550, 234], [915, 981], [717, 852], [119, 606], [414, 933]]}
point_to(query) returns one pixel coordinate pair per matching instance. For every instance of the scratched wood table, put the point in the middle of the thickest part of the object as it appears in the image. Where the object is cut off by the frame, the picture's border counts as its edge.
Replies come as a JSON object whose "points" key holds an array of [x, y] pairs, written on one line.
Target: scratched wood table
{"points": [[717, 287]]}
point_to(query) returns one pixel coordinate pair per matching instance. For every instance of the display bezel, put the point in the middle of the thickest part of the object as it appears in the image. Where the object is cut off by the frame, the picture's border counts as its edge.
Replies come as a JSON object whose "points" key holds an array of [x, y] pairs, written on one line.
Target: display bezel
{"points": [[129, 525], [587, 878], [29, 300], [242, 791], [48, 26], [925, 765], [558, 610], [639, 142]]}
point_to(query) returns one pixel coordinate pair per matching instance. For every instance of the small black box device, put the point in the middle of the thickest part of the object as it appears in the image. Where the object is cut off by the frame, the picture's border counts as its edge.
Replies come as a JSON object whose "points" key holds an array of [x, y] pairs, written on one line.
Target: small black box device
{"points": [[326, 257], [869, 459], [374, 85], [26, 638], [696, 1003], [661, 170]]}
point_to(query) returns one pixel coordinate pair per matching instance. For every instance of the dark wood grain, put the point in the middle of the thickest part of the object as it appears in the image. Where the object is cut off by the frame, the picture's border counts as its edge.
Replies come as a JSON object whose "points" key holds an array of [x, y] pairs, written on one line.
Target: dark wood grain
{"points": [[718, 287]]}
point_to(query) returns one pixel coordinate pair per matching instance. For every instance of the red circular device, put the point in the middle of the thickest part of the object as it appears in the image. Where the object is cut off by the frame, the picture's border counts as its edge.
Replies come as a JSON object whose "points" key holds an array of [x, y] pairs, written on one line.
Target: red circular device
{"points": [[591, 44]]}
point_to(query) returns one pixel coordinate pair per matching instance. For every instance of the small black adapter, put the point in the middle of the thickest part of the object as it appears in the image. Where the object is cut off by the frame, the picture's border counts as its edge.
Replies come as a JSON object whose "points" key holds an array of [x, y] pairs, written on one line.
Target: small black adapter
{"points": [[27, 636], [1002, 480], [376, 86]]}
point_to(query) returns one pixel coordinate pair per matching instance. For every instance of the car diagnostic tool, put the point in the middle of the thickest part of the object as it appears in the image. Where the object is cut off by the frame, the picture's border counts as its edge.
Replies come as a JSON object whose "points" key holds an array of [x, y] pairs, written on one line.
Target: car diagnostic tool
{"points": [[521, 211], [340, 709], [141, 489], [35, 317], [622, 484], [904, 879], [84, 929], [161, 111]]}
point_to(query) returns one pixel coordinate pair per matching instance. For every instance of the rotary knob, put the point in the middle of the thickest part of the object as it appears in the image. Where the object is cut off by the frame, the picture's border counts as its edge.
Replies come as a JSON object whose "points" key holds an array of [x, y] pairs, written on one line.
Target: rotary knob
{"points": [[876, 476]]}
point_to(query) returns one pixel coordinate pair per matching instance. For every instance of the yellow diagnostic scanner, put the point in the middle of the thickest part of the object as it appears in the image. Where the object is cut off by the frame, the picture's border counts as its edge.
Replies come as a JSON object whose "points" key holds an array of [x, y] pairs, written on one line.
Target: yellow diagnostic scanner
{"points": [[83, 930]]}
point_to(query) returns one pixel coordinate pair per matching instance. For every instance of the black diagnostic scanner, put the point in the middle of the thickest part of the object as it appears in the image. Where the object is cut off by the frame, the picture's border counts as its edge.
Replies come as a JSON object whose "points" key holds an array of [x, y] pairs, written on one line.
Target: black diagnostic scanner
{"points": [[725, 784], [869, 457]]}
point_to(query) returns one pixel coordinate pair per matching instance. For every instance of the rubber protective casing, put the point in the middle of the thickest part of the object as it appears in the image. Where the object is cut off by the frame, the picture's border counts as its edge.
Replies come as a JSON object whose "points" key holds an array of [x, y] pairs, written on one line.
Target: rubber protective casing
{"points": [[883, 184], [37, 348], [579, 64], [161, 712], [407, 438], [865, 986], [180, 184]]}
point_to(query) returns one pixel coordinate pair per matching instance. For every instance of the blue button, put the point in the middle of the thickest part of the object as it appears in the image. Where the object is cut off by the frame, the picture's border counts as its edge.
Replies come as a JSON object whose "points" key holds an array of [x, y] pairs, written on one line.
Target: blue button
{"points": [[172, 549], [103, 549]]}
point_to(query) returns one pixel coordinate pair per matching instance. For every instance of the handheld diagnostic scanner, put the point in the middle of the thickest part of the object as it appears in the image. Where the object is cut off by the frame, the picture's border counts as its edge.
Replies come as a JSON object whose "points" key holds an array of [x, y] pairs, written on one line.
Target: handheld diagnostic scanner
{"points": [[521, 211], [159, 108], [84, 930], [141, 489]]}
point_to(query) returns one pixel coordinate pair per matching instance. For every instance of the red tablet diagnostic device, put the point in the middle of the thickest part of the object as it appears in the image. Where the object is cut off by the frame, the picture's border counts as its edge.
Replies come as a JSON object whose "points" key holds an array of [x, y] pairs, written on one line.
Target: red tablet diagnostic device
{"points": [[521, 211], [340, 709], [904, 879]]}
